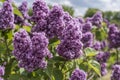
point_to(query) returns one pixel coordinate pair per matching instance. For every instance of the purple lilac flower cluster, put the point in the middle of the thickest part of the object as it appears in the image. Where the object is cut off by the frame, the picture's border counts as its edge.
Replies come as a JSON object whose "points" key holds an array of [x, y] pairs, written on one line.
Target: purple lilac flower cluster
{"points": [[103, 69], [87, 38], [100, 45], [71, 45], [114, 36], [40, 10], [22, 20], [24, 10], [116, 72], [102, 58], [53, 24], [31, 51], [2, 72], [6, 16], [96, 19], [55, 21], [78, 74]]}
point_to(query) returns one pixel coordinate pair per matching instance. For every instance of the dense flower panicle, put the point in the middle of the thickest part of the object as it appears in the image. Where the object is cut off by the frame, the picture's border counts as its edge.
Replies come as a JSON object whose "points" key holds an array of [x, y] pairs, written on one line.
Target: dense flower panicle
{"points": [[102, 57], [39, 45], [78, 74], [87, 39], [2, 70], [55, 13], [6, 16], [22, 45], [55, 28], [96, 19], [67, 17], [70, 49], [116, 72], [114, 36], [24, 10], [40, 10], [99, 45], [55, 21], [103, 69], [71, 32], [31, 51], [86, 27], [41, 26], [32, 63], [113, 29]]}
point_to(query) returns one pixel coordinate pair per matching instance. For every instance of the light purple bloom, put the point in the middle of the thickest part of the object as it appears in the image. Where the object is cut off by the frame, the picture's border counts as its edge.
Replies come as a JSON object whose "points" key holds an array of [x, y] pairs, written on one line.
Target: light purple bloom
{"points": [[78, 74], [2, 70], [116, 72], [102, 57]]}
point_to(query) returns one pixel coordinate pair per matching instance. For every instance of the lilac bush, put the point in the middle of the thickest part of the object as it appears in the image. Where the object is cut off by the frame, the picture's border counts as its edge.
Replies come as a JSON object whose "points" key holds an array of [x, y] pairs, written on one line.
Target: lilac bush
{"points": [[50, 44]]}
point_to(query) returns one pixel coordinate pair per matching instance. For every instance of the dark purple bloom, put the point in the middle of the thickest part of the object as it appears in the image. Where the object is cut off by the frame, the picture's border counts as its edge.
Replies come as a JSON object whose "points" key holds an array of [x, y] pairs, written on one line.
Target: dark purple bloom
{"points": [[72, 31], [67, 17], [102, 57], [113, 28], [22, 45], [31, 51], [116, 72], [96, 19], [70, 49], [55, 22], [40, 10], [6, 16], [81, 20], [114, 36], [86, 27], [99, 45], [78, 74], [39, 45], [87, 39], [103, 44], [41, 26]]}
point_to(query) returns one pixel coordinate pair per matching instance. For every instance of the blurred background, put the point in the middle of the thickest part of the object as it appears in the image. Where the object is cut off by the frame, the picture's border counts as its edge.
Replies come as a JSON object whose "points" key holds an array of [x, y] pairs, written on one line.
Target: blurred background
{"points": [[86, 8]]}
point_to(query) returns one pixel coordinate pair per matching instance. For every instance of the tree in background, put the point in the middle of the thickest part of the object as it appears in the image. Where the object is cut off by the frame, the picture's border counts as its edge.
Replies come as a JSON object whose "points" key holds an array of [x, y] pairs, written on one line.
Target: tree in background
{"points": [[90, 12]]}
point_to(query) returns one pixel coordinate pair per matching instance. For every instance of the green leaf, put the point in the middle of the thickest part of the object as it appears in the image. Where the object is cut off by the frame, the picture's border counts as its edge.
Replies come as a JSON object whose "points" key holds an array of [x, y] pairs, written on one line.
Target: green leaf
{"points": [[21, 70], [2, 48], [58, 59], [16, 11], [95, 66], [57, 74], [49, 71], [90, 52], [27, 28], [14, 77], [2, 0], [101, 34]]}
